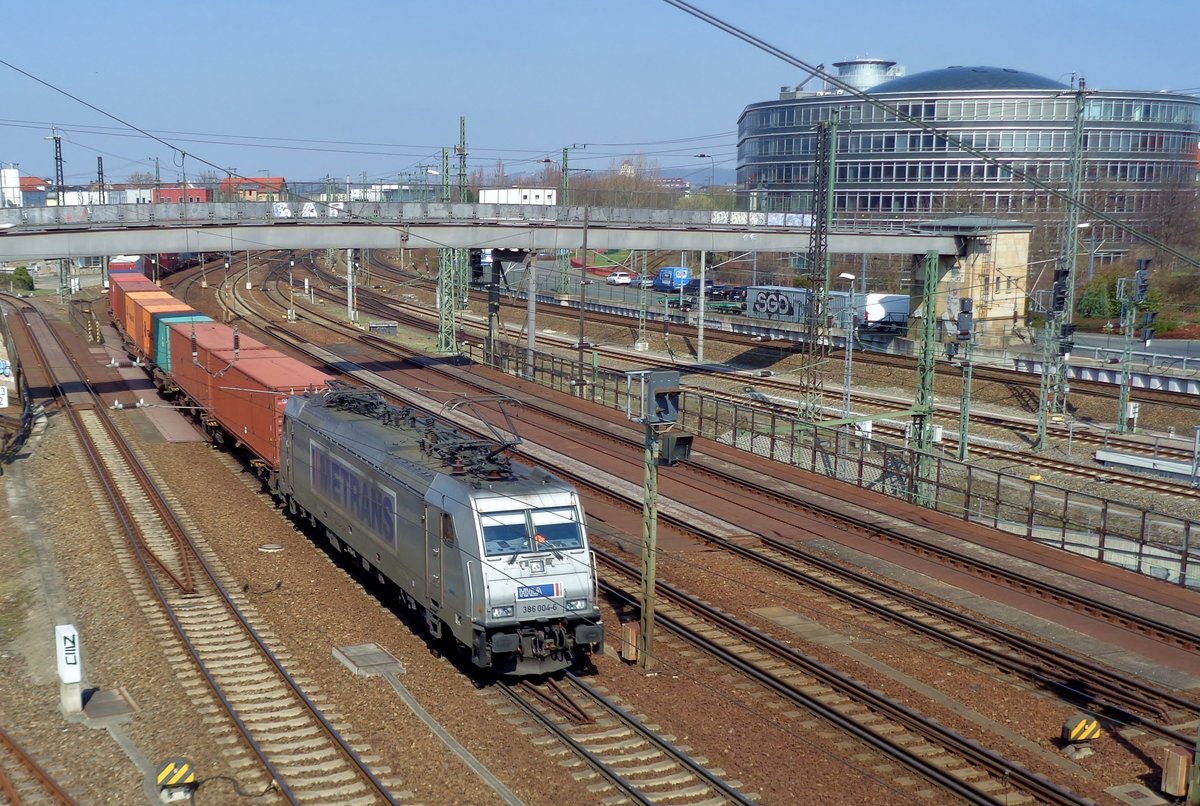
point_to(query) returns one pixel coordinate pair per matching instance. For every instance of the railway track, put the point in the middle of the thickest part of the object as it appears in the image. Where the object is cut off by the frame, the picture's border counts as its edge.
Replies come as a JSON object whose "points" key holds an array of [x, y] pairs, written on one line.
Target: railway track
{"points": [[995, 763], [768, 489], [23, 780], [1135, 699], [918, 744], [739, 478], [228, 668], [417, 318], [630, 761], [983, 373]]}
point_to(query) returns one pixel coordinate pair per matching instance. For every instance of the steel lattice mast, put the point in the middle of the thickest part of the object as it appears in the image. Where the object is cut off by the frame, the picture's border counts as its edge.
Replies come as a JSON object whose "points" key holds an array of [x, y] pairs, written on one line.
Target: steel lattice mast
{"points": [[1059, 335], [816, 344]]}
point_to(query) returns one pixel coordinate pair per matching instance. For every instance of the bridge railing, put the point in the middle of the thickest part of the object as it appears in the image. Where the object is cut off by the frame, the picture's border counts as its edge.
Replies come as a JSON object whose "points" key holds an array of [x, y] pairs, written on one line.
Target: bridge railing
{"points": [[40, 218]]}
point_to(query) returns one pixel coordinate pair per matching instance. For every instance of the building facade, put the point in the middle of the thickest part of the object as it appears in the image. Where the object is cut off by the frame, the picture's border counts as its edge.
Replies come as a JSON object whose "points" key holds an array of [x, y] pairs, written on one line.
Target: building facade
{"points": [[1139, 152]]}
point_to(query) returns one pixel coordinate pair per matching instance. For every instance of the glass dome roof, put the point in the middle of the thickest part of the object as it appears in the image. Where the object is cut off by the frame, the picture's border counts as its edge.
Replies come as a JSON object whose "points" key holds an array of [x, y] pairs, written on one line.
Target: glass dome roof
{"points": [[968, 78]]}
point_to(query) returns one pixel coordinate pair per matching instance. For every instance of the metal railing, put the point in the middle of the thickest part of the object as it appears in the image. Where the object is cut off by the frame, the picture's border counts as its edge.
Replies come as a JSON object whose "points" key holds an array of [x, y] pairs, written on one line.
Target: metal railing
{"points": [[1152, 543]]}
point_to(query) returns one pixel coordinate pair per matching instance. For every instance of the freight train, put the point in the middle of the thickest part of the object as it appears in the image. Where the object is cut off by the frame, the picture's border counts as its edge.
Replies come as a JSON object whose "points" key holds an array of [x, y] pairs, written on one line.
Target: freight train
{"points": [[492, 553]]}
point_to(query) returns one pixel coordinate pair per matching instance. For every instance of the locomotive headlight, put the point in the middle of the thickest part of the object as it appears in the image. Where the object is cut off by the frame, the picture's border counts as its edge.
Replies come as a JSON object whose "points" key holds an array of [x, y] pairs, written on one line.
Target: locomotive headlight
{"points": [[502, 612], [577, 604]]}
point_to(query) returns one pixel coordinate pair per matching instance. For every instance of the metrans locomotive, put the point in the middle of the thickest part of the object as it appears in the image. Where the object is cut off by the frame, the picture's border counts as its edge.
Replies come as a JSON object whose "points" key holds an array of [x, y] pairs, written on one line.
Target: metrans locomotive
{"points": [[493, 553]]}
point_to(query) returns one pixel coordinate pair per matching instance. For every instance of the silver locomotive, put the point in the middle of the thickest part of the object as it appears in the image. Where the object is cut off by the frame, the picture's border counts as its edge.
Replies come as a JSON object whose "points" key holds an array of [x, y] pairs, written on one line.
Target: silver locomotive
{"points": [[494, 553]]}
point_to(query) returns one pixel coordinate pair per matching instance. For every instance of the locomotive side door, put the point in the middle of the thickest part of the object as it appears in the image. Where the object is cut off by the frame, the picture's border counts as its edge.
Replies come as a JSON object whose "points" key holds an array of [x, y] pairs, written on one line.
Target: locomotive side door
{"points": [[435, 523]]}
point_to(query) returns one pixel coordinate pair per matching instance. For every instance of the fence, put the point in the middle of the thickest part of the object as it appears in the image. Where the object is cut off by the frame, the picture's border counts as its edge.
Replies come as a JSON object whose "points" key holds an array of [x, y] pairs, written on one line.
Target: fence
{"points": [[1151, 543]]}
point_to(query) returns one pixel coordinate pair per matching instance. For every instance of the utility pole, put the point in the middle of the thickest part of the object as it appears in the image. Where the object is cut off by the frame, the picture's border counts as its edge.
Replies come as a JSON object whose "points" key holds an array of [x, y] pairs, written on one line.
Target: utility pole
{"points": [[923, 404], [658, 393], [643, 294], [100, 181], [1056, 353], [1130, 299], [464, 192], [351, 312], [58, 163], [816, 345], [566, 187], [462, 257], [584, 282], [447, 302], [700, 308], [966, 335]]}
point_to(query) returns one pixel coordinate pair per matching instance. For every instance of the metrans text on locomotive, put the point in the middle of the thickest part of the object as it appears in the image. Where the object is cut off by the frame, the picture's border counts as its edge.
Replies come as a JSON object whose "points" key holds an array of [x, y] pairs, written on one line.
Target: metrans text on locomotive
{"points": [[493, 552]]}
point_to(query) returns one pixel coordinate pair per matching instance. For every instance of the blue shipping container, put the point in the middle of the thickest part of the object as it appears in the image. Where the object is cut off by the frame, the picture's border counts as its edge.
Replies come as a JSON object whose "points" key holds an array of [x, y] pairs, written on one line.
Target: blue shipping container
{"points": [[162, 334]]}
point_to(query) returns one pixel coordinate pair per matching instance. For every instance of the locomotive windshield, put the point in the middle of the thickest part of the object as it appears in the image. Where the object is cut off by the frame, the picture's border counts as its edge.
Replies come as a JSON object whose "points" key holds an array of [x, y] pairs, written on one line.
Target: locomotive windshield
{"points": [[556, 529], [526, 530]]}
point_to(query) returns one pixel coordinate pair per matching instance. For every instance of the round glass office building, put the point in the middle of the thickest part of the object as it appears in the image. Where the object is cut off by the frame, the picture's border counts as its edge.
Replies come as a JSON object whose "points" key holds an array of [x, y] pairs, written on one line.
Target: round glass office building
{"points": [[1139, 155]]}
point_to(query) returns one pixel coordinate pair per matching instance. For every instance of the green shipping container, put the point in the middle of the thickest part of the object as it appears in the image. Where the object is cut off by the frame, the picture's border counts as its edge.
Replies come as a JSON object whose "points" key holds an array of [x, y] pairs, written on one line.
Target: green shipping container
{"points": [[162, 334]]}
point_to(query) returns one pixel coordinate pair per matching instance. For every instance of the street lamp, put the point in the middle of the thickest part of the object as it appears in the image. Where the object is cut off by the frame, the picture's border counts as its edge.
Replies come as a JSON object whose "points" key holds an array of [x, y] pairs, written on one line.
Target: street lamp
{"points": [[848, 375], [291, 291], [712, 170]]}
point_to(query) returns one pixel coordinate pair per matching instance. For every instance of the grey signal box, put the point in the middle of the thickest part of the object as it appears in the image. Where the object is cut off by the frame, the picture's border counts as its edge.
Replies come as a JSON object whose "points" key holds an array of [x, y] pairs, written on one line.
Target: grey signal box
{"points": [[654, 397], [675, 448]]}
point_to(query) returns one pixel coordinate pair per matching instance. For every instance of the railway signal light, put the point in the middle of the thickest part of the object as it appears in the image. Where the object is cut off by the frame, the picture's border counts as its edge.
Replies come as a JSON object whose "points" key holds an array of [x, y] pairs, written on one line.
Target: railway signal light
{"points": [[1058, 302], [966, 321], [1141, 280], [1066, 339]]}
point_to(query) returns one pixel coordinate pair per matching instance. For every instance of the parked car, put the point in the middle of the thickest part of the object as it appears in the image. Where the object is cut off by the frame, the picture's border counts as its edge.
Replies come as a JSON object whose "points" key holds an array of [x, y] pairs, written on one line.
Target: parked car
{"points": [[693, 287], [619, 278], [644, 281], [727, 292]]}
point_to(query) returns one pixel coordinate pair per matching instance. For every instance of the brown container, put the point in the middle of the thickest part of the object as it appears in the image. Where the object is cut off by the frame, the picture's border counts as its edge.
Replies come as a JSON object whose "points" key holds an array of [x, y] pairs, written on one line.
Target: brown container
{"points": [[193, 374], [133, 304], [144, 338], [118, 292], [248, 397]]}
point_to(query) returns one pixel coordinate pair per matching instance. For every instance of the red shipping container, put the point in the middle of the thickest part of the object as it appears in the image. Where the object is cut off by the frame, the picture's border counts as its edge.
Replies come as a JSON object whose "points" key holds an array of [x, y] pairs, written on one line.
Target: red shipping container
{"points": [[119, 291], [248, 397], [206, 338], [134, 301]]}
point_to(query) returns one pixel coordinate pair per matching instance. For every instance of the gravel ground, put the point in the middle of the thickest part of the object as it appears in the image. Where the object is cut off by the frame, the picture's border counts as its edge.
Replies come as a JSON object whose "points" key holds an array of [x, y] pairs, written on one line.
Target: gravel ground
{"points": [[48, 575]]}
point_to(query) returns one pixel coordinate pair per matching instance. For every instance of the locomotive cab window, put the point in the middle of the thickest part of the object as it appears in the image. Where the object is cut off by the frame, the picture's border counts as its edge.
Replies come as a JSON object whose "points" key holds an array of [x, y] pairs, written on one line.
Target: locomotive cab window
{"points": [[556, 529], [504, 532]]}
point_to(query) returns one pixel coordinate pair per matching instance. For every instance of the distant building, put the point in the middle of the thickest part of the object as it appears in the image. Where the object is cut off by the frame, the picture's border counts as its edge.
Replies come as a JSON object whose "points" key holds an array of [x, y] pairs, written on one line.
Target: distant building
{"points": [[1139, 148], [177, 194], [674, 184], [253, 188], [518, 195], [21, 191], [10, 187]]}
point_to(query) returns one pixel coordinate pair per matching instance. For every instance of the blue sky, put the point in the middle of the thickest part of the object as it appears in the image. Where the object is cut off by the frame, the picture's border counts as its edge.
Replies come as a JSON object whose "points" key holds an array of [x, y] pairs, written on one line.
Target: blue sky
{"points": [[306, 89]]}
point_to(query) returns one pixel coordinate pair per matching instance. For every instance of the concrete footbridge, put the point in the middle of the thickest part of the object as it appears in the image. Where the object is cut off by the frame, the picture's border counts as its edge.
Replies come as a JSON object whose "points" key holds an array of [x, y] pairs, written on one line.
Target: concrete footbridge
{"points": [[28, 233]]}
